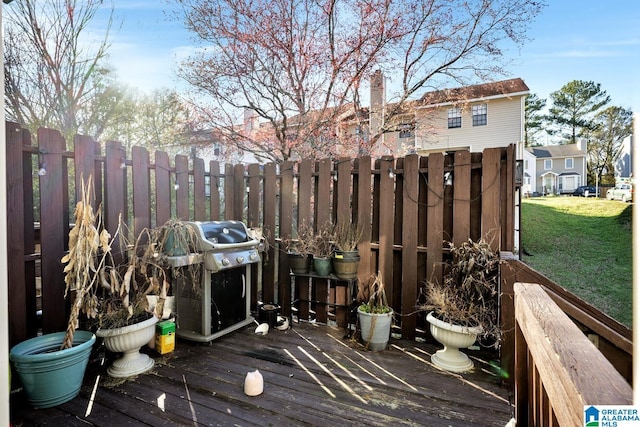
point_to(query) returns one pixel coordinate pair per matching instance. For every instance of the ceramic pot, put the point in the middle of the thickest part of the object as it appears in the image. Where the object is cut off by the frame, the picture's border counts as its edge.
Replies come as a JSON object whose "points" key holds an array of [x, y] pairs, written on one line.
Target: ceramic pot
{"points": [[322, 266], [268, 313], [452, 337], [51, 376]]}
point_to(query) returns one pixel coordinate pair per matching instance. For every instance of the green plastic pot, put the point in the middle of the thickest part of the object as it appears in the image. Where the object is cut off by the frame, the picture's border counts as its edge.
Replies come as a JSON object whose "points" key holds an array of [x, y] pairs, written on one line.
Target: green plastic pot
{"points": [[48, 375], [322, 266]]}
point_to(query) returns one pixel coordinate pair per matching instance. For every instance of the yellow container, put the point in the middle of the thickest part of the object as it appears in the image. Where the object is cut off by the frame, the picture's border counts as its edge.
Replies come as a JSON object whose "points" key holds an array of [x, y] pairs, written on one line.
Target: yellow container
{"points": [[165, 343], [165, 337]]}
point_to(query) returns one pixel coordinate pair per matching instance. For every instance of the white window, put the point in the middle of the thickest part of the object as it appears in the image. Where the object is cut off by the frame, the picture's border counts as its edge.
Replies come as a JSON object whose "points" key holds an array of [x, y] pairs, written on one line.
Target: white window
{"points": [[548, 164], [479, 115], [405, 130], [568, 163], [454, 116]]}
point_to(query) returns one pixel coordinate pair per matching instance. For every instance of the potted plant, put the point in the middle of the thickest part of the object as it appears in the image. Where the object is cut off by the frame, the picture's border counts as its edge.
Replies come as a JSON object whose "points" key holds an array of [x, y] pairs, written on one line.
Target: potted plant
{"points": [[300, 249], [375, 315], [346, 257], [125, 320], [322, 249], [464, 307], [51, 367]]}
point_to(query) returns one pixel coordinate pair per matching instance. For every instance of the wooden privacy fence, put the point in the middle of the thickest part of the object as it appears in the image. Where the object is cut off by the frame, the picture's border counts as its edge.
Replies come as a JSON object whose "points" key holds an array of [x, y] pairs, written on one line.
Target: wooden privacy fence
{"points": [[408, 206]]}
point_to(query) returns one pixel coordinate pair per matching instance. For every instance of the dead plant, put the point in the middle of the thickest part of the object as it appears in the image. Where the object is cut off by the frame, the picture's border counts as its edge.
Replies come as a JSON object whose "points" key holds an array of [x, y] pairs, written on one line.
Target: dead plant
{"points": [[468, 294], [348, 235], [377, 298]]}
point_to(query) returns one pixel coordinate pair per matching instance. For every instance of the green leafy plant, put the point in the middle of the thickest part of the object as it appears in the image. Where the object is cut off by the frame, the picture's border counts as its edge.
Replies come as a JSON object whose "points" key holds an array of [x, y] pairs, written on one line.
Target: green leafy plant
{"points": [[468, 294]]}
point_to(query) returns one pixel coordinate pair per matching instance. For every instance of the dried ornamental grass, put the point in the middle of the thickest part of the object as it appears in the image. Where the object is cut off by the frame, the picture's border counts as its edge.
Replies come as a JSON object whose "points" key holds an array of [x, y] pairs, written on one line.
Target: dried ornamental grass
{"points": [[347, 235], [108, 293], [86, 260], [377, 302], [468, 294]]}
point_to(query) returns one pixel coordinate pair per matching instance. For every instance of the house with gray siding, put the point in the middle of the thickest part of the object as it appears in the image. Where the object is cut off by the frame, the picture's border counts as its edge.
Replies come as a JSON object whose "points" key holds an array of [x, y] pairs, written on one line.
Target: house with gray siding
{"points": [[559, 169]]}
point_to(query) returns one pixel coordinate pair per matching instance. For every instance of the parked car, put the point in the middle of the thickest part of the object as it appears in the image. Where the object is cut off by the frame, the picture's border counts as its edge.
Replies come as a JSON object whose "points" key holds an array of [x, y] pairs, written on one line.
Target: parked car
{"points": [[585, 191], [622, 191]]}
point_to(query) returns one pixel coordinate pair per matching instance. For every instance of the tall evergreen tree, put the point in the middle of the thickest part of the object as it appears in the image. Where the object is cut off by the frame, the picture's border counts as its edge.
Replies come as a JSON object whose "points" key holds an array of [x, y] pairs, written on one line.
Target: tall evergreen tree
{"points": [[533, 118], [574, 107]]}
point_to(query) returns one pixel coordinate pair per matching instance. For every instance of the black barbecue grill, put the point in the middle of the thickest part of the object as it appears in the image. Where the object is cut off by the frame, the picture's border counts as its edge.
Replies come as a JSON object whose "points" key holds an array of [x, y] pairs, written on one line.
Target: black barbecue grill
{"points": [[224, 252]]}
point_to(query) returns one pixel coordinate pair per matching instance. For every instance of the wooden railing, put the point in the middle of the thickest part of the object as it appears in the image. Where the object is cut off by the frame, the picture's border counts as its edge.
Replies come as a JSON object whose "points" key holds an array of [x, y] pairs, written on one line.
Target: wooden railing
{"points": [[558, 370], [611, 338]]}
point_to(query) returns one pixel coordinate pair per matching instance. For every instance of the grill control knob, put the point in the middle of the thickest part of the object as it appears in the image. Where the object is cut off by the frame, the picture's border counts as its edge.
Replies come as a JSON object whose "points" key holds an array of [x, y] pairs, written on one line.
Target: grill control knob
{"points": [[225, 261], [240, 259], [253, 256]]}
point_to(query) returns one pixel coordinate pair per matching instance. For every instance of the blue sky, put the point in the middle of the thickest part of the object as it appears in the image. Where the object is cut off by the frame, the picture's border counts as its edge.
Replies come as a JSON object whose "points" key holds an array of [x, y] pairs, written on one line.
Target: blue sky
{"points": [[572, 40]]}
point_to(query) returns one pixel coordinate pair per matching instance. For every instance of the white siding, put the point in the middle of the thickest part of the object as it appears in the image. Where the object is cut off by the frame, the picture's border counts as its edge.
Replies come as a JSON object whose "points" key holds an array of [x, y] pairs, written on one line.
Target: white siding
{"points": [[504, 126]]}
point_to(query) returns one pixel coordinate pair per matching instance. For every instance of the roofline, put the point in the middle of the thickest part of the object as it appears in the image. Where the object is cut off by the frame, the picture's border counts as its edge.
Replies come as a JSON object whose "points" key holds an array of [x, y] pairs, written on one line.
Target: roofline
{"points": [[483, 98]]}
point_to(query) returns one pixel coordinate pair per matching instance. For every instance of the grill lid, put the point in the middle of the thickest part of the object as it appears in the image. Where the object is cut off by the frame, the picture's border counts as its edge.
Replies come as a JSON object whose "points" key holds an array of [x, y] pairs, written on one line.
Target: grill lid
{"points": [[214, 235]]}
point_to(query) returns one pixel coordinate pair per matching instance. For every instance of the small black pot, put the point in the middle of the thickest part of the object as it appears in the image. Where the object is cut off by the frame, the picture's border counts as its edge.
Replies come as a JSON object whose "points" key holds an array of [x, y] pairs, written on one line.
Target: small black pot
{"points": [[268, 313]]}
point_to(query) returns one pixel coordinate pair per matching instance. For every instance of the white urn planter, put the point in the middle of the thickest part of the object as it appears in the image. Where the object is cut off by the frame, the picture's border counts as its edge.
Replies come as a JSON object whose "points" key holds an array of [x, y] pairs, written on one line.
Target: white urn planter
{"points": [[128, 340], [453, 337]]}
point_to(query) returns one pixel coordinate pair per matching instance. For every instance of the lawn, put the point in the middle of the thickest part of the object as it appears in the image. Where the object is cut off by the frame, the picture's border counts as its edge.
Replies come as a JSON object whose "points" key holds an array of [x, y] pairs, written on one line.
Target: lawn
{"points": [[584, 245]]}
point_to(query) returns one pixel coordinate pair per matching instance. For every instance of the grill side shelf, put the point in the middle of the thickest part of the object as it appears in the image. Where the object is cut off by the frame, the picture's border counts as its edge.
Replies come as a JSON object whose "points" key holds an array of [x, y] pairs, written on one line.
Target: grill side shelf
{"points": [[184, 260]]}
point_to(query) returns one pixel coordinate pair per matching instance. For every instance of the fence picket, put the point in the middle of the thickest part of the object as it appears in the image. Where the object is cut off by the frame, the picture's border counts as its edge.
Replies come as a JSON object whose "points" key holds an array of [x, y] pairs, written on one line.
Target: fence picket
{"points": [[53, 227]]}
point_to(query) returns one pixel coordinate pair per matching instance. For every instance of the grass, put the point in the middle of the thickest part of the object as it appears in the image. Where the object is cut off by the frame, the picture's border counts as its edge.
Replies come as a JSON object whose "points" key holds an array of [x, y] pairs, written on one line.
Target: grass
{"points": [[584, 245]]}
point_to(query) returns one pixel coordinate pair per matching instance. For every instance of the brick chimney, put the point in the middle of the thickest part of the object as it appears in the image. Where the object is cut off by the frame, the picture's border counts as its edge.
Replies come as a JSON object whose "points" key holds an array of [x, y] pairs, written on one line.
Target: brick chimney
{"points": [[250, 121]]}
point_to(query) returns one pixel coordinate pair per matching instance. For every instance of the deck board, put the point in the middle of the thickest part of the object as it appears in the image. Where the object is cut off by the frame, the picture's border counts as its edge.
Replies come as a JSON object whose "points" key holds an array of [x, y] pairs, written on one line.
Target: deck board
{"points": [[313, 376]]}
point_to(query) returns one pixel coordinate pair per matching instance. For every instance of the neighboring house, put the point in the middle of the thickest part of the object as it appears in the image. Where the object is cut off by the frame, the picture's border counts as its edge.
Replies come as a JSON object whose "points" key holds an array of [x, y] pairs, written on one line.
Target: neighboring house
{"points": [[468, 118], [623, 160], [528, 173], [559, 169], [472, 118]]}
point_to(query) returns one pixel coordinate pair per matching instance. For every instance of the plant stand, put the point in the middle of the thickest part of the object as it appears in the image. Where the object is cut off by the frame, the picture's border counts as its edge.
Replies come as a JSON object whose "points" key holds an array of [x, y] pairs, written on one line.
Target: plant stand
{"points": [[128, 340], [453, 337], [319, 298]]}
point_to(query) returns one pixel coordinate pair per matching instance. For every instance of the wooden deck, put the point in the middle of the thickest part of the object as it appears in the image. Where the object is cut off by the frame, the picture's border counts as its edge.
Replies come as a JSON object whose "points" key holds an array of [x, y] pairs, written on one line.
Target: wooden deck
{"points": [[313, 376]]}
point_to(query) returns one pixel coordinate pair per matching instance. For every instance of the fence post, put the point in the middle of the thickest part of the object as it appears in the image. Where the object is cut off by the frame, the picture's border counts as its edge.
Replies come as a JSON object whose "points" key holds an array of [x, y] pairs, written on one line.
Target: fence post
{"points": [[20, 293]]}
